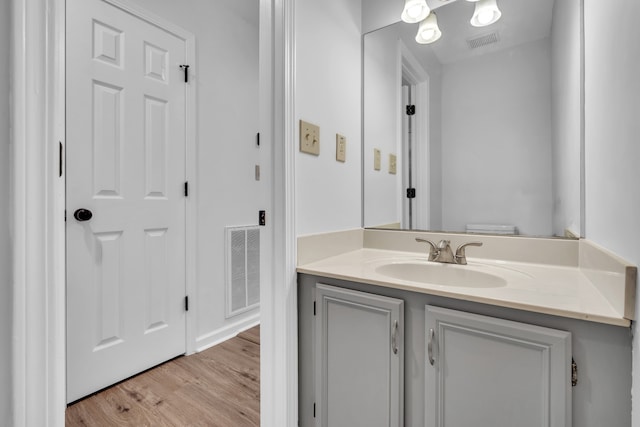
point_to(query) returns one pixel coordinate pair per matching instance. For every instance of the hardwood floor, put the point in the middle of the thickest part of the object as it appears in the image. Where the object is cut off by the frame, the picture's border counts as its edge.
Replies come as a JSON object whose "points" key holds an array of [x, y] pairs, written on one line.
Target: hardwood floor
{"points": [[216, 387]]}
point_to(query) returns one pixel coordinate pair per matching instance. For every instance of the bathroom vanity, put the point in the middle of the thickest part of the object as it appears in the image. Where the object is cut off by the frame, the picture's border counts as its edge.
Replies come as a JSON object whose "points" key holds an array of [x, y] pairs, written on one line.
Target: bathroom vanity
{"points": [[532, 332]]}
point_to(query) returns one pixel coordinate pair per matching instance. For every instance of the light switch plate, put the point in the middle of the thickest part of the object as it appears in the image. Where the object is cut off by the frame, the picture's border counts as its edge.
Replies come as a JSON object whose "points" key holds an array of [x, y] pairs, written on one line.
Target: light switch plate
{"points": [[309, 138], [341, 148], [392, 163], [376, 159]]}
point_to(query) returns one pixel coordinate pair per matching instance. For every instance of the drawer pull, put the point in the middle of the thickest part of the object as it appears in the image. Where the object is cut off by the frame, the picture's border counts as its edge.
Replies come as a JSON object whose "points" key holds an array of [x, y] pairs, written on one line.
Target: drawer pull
{"points": [[430, 346], [394, 338]]}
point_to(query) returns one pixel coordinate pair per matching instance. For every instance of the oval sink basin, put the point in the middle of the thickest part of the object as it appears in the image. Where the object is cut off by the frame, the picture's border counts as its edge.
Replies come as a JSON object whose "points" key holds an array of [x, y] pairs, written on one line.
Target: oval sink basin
{"points": [[464, 276]]}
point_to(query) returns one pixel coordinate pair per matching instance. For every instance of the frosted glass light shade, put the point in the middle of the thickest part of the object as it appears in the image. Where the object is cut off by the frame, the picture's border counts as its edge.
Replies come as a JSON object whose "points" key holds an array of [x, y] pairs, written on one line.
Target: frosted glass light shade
{"points": [[428, 31], [415, 11], [486, 13]]}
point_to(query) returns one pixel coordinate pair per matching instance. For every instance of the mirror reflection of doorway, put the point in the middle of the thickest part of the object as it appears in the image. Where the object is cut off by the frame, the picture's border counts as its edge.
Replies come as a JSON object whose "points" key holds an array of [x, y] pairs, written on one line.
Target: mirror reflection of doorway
{"points": [[408, 148], [415, 191]]}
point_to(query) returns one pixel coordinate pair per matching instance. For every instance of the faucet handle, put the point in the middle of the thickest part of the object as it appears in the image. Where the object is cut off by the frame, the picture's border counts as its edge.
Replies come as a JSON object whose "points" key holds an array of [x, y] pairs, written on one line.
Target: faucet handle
{"points": [[433, 249], [461, 257]]}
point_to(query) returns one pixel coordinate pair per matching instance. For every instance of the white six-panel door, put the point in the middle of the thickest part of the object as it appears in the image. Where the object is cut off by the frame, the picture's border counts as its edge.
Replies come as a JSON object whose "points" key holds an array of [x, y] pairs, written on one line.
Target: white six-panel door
{"points": [[126, 164]]}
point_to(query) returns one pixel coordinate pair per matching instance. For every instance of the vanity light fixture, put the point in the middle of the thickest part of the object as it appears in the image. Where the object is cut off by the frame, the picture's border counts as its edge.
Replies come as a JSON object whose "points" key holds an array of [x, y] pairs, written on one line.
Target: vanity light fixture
{"points": [[428, 30], [415, 11], [486, 13]]}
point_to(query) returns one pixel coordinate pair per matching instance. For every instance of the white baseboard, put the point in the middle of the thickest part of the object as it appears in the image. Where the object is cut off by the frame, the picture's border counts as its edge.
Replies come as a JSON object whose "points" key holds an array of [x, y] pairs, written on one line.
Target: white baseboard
{"points": [[206, 341]]}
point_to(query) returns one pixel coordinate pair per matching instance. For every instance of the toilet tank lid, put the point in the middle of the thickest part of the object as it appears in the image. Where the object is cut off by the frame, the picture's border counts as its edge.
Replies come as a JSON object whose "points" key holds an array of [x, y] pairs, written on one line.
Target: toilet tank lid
{"points": [[491, 228]]}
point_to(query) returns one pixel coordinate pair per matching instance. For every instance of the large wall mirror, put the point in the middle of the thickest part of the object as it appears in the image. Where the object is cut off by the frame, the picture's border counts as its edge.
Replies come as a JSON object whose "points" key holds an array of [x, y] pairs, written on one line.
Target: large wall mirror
{"points": [[493, 142]]}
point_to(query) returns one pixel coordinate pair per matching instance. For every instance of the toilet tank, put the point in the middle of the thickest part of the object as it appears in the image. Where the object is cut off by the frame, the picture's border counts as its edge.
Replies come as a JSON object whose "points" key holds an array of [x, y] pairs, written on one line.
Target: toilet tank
{"points": [[492, 229]]}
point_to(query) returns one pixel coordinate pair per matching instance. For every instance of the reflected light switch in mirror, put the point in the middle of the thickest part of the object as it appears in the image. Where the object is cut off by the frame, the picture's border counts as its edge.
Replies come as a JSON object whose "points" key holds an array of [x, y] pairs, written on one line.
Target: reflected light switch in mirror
{"points": [[376, 159], [392, 164], [341, 148], [309, 138]]}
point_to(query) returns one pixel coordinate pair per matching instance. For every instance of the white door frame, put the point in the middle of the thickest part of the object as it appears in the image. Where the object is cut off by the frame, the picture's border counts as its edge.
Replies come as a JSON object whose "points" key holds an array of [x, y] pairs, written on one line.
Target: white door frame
{"points": [[37, 204], [278, 300]]}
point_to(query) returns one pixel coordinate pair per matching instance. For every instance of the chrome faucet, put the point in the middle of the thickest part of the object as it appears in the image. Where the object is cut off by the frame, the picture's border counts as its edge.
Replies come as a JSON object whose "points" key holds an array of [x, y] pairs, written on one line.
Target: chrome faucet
{"points": [[442, 251]]}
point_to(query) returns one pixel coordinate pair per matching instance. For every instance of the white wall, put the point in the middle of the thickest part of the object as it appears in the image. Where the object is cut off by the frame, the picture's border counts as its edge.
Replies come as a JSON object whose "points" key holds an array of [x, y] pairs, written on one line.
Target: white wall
{"points": [[510, 87], [380, 13], [226, 76], [328, 87], [5, 245], [382, 81], [435, 151], [566, 115], [612, 135]]}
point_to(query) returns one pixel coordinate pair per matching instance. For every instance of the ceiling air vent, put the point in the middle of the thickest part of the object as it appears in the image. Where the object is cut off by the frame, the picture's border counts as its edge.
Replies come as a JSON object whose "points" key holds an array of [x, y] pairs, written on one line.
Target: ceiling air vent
{"points": [[483, 40]]}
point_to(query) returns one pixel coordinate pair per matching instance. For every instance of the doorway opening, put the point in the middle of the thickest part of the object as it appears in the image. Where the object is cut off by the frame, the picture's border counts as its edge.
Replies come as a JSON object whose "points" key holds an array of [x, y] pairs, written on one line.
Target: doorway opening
{"points": [[147, 174]]}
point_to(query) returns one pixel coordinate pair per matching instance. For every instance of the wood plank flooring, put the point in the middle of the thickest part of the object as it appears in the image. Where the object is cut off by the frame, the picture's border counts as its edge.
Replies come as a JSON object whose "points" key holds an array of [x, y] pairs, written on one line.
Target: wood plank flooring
{"points": [[216, 387]]}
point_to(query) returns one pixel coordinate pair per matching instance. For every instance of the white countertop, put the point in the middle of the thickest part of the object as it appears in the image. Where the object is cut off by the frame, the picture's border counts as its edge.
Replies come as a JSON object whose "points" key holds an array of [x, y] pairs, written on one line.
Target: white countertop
{"points": [[551, 289]]}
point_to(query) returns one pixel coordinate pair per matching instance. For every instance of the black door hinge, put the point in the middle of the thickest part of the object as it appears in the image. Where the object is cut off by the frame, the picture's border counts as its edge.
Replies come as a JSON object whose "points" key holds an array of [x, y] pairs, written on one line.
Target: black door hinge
{"points": [[186, 303], [258, 139], [411, 110], [574, 373], [186, 72], [262, 217], [314, 409], [60, 153], [314, 308], [411, 193], [186, 189]]}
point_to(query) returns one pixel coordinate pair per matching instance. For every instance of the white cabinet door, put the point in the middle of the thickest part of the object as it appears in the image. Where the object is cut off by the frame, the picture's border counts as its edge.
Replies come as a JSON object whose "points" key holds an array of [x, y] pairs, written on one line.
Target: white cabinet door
{"points": [[359, 359], [489, 372]]}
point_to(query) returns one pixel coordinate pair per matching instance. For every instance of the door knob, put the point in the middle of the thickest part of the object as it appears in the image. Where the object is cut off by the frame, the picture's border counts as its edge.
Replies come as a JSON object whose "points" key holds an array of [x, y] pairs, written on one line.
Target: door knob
{"points": [[82, 214]]}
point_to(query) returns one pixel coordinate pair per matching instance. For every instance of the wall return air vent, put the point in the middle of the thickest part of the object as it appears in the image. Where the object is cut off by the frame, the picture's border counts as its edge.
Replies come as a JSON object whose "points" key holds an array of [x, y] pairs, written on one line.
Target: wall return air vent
{"points": [[243, 269], [485, 40]]}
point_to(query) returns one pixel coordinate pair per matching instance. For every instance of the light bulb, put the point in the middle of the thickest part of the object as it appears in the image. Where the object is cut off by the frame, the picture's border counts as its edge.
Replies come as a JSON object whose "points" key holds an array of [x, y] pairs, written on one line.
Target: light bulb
{"points": [[428, 31], [486, 13], [485, 16], [415, 11]]}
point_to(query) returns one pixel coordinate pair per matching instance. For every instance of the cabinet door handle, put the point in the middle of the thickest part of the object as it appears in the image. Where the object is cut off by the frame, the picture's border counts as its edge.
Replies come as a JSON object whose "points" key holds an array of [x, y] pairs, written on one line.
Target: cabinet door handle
{"points": [[394, 338], [430, 346]]}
